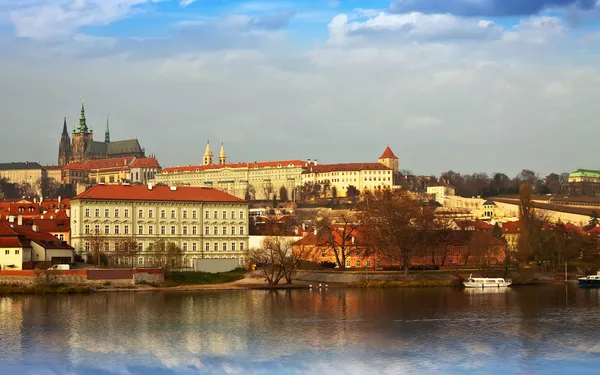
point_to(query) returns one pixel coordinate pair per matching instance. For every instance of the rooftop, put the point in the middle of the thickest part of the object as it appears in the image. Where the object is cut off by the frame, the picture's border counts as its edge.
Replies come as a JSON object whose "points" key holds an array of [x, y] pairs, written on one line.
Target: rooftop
{"points": [[157, 193], [19, 165], [388, 154], [324, 168], [255, 165]]}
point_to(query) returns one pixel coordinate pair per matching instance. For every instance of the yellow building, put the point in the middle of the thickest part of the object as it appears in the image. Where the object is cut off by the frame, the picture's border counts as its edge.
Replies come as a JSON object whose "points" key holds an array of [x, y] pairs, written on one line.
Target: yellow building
{"points": [[203, 222], [19, 173], [441, 191], [363, 176], [258, 180]]}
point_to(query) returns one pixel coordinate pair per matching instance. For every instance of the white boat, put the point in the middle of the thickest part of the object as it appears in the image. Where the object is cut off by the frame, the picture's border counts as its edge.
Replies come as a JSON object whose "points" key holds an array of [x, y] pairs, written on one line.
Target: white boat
{"points": [[486, 282]]}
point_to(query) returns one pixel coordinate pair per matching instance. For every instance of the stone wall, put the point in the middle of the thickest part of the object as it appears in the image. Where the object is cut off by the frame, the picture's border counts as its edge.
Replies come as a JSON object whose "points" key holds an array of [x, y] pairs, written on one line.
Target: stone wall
{"points": [[345, 276], [85, 276], [152, 277]]}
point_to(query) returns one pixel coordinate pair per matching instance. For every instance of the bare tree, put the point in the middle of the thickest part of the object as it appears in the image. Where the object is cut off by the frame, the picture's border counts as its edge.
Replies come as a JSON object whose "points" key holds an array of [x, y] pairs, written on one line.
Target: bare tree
{"points": [[486, 251], [269, 258], [283, 194], [526, 217], [96, 242], [250, 193], [267, 189], [128, 250], [339, 237], [396, 222], [334, 192]]}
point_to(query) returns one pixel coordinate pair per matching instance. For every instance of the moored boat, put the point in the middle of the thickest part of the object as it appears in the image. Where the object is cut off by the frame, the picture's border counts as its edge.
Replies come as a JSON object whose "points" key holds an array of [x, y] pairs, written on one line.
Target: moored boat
{"points": [[486, 282], [590, 281]]}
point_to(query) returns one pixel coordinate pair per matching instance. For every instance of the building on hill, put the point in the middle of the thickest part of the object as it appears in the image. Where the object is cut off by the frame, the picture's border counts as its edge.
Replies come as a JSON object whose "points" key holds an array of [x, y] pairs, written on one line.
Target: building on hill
{"points": [[363, 176], [205, 223], [584, 182], [24, 172], [126, 169], [258, 180], [81, 147], [440, 190]]}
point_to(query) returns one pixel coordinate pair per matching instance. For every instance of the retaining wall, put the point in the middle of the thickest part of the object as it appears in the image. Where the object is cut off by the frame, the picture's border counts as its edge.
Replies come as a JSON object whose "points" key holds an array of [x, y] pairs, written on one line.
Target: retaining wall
{"points": [[85, 276]]}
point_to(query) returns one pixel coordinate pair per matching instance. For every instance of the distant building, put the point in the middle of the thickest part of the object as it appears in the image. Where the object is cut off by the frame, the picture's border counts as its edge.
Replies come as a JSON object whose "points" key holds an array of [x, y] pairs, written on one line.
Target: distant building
{"points": [[441, 191], [24, 172], [126, 169], [203, 222], [259, 180], [363, 176], [584, 182], [82, 146]]}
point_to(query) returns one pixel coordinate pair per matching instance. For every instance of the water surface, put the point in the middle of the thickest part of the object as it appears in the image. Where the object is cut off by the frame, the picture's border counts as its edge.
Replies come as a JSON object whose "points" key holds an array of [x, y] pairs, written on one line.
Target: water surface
{"points": [[530, 330]]}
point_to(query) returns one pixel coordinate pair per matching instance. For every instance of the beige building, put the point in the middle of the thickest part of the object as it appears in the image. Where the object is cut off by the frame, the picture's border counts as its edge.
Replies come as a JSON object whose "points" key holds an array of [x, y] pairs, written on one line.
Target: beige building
{"points": [[441, 191], [203, 222], [259, 180], [26, 172], [363, 176], [54, 172]]}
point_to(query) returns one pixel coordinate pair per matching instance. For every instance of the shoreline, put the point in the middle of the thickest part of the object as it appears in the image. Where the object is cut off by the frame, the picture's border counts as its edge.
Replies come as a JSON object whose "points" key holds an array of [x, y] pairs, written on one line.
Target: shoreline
{"points": [[245, 286]]}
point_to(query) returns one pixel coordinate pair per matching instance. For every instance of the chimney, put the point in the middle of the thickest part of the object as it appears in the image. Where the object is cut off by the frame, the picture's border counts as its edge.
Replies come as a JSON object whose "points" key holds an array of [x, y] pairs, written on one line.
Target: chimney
{"points": [[68, 211], [315, 231], [149, 185], [316, 162], [303, 226], [34, 200], [35, 228], [59, 200], [20, 220], [308, 161], [173, 188]]}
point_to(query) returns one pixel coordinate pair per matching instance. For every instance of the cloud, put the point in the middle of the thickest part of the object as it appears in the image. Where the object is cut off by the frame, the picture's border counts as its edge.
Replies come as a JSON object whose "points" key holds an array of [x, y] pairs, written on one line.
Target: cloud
{"points": [[185, 3], [385, 27], [487, 8], [45, 20]]}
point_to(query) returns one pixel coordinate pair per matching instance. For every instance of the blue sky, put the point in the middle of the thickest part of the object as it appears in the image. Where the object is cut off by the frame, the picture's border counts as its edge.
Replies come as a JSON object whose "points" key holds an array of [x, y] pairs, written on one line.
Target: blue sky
{"points": [[470, 85]]}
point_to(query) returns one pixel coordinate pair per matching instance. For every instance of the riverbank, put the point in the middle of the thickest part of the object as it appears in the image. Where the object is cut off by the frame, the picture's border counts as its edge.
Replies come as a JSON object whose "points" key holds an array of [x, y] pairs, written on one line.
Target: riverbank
{"points": [[241, 280]]}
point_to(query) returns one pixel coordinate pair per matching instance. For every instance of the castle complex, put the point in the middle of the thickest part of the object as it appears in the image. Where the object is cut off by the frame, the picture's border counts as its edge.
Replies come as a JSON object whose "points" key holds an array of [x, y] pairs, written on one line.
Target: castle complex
{"points": [[82, 146]]}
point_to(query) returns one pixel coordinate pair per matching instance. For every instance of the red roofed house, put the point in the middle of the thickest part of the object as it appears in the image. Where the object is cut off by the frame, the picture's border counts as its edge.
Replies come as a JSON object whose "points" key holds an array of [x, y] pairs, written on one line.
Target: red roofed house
{"points": [[21, 245], [203, 222]]}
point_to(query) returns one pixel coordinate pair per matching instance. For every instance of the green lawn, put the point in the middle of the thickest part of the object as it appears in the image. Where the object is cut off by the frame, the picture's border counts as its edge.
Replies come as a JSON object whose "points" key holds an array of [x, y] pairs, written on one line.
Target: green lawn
{"points": [[203, 278]]}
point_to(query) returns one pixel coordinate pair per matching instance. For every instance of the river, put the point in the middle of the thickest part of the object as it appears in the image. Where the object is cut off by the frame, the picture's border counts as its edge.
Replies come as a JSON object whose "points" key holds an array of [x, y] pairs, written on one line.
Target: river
{"points": [[526, 330]]}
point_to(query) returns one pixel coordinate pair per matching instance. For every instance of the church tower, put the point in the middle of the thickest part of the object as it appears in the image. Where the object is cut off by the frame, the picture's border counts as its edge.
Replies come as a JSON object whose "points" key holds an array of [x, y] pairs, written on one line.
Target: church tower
{"points": [[82, 137], [389, 159], [222, 157], [208, 155], [64, 147], [107, 133]]}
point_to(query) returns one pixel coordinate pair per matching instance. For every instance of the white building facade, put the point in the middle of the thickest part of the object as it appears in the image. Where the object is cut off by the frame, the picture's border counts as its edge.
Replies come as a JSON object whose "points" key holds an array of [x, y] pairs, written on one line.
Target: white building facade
{"points": [[203, 222]]}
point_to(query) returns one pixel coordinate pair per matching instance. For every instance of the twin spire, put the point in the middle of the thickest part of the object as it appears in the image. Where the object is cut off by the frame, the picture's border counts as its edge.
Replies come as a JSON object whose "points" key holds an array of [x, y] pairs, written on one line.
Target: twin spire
{"points": [[208, 155]]}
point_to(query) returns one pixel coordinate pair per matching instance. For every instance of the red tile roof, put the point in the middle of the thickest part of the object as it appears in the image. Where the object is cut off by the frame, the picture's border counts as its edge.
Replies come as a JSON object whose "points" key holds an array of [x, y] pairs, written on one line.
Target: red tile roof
{"points": [[158, 193], [44, 239], [266, 164], [122, 162], [52, 204], [53, 167], [9, 237], [145, 163], [388, 154], [324, 168]]}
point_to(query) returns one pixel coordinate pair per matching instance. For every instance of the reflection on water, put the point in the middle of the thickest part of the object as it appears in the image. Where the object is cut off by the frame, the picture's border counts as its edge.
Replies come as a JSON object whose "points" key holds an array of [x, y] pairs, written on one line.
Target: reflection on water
{"points": [[525, 330]]}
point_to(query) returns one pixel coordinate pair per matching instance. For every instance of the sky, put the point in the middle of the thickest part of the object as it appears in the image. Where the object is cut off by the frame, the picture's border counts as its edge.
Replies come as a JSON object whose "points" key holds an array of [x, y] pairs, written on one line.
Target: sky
{"points": [[469, 85]]}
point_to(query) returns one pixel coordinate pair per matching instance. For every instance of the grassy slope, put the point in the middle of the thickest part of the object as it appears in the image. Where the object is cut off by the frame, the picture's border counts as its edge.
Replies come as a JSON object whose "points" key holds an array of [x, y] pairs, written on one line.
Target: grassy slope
{"points": [[204, 278]]}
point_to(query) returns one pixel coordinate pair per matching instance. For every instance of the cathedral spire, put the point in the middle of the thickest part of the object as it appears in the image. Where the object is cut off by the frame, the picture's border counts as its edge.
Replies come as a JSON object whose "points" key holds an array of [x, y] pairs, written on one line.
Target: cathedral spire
{"points": [[222, 157], [82, 122], [107, 132], [65, 132]]}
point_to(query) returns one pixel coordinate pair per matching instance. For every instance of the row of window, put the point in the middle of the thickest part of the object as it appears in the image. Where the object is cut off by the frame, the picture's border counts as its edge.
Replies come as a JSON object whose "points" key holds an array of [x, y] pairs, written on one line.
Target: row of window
{"points": [[186, 246], [159, 262], [233, 230], [7, 252], [172, 213], [358, 263]]}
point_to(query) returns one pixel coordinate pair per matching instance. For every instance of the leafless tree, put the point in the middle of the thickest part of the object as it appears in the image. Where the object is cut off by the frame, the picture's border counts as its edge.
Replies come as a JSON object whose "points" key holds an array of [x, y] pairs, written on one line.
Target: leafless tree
{"points": [[486, 251], [267, 189], [128, 250], [283, 194], [339, 236]]}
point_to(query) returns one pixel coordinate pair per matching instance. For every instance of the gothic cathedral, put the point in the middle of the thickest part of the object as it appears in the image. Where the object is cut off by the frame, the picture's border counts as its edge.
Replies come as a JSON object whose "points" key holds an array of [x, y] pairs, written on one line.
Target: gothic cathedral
{"points": [[82, 147]]}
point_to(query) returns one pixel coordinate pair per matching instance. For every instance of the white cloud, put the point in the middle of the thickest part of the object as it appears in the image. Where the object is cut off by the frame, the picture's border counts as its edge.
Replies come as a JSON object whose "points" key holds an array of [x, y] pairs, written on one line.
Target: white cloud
{"points": [[537, 30], [411, 27], [40, 19], [185, 3]]}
